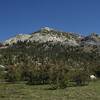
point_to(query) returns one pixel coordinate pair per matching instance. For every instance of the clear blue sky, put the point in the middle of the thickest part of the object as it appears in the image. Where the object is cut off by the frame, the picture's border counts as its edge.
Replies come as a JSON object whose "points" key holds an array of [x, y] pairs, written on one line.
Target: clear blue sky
{"points": [[26, 16]]}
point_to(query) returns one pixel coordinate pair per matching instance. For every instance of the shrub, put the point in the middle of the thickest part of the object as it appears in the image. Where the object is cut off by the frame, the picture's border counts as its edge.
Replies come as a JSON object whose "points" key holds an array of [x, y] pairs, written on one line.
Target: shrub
{"points": [[58, 77], [12, 74], [80, 77]]}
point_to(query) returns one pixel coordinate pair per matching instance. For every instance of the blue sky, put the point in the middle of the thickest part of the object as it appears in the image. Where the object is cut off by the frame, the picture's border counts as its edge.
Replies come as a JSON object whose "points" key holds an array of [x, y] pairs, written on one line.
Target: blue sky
{"points": [[26, 16]]}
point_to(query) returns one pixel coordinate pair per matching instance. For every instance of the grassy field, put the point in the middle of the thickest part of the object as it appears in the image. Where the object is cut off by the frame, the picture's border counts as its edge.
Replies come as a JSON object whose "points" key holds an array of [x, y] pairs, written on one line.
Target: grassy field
{"points": [[26, 92]]}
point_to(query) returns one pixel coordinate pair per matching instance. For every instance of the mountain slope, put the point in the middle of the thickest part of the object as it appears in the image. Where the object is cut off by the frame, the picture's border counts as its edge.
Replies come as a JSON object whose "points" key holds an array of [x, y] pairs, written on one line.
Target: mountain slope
{"points": [[47, 34], [44, 35], [19, 37], [92, 39]]}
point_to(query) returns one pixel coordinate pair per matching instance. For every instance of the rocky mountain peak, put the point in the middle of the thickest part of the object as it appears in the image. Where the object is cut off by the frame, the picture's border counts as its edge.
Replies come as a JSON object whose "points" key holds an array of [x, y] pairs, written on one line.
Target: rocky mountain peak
{"points": [[47, 34], [47, 28]]}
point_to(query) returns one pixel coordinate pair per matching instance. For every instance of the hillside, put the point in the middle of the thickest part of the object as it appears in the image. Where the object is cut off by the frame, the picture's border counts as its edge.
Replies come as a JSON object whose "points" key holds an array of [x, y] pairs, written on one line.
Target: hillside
{"points": [[47, 34], [47, 56]]}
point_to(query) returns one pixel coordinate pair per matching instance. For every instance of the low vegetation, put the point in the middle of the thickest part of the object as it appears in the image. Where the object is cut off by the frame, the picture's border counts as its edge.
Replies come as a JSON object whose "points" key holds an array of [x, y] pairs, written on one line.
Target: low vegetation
{"points": [[48, 63], [22, 91]]}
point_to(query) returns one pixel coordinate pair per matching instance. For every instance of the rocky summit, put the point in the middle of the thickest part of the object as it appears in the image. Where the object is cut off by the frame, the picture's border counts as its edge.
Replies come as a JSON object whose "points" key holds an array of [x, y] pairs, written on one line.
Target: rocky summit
{"points": [[47, 34]]}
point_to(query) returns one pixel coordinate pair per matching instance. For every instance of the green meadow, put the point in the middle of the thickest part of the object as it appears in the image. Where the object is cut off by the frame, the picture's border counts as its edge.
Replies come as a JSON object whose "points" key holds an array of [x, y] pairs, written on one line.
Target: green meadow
{"points": [[20, 91]]}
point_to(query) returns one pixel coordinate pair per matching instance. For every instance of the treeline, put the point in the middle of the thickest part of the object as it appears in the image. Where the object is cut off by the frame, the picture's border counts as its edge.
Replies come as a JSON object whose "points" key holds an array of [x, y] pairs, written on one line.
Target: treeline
{"points": [[47, 63]]}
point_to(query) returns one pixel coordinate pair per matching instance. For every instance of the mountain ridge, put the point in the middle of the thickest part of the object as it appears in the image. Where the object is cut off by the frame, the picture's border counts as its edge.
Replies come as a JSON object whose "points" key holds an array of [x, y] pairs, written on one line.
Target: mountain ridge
{"points": [[47, 34]]}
